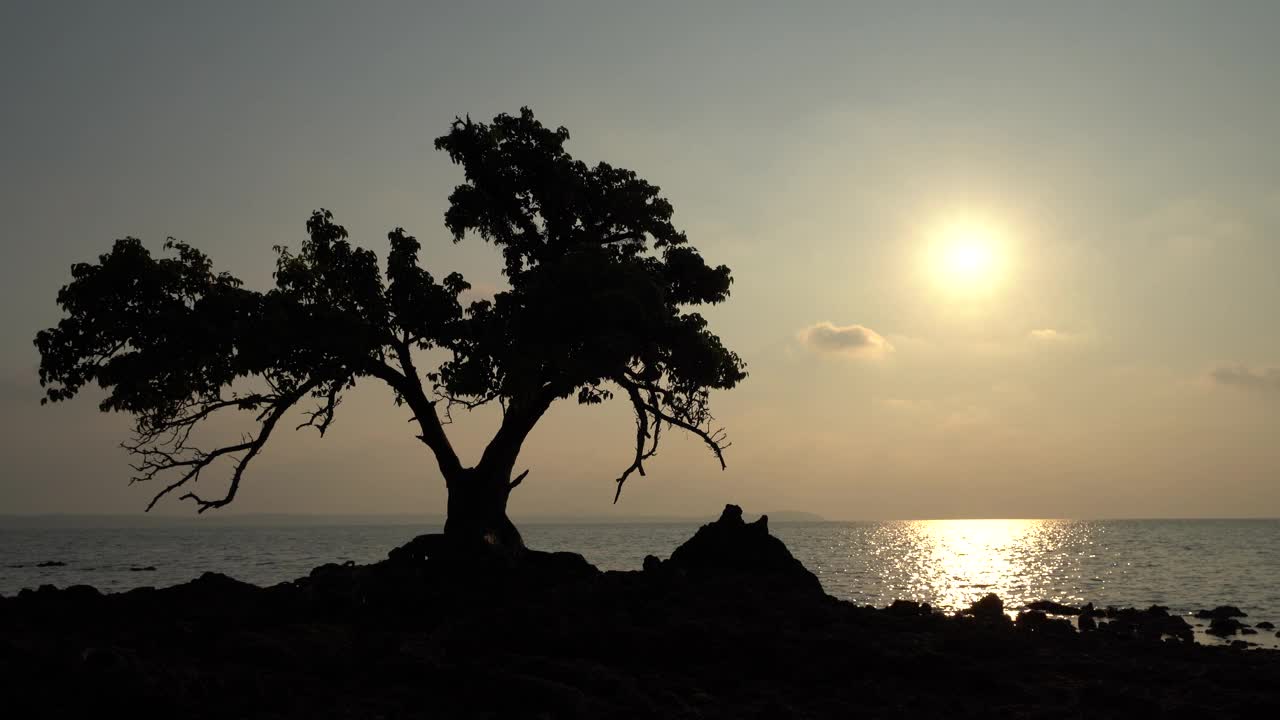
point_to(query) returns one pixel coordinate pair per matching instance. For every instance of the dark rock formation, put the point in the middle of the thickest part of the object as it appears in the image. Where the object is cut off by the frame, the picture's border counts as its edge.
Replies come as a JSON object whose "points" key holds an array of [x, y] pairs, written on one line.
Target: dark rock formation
{"points": [[730, 547], [1092, 612], [1053, 608], [909, 608], [1038, 622], [1224, 626], [990, 608], [1220, 612], [1153, 623], [730, 627], [48, 563], [1264, 625]]}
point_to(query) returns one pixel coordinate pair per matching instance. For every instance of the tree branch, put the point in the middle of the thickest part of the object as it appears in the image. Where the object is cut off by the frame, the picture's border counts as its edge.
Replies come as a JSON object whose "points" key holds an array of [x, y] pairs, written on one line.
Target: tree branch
{"points": [[649, 412], [642, 434], [408, 387], [163, 444]]}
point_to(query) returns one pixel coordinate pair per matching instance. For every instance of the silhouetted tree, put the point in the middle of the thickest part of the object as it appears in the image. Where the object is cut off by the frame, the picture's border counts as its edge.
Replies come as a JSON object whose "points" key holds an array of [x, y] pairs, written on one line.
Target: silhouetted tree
{"points": [[599, 282]]}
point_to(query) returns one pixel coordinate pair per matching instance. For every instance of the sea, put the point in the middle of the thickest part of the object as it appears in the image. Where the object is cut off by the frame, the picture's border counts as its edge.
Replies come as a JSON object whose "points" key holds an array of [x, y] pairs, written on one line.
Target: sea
{"points": [[1182, 564]]}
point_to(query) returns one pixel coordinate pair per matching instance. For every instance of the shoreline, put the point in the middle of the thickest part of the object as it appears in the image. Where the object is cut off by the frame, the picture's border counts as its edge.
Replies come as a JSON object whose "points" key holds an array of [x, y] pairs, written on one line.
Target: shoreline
{"points": [[732, 625]]}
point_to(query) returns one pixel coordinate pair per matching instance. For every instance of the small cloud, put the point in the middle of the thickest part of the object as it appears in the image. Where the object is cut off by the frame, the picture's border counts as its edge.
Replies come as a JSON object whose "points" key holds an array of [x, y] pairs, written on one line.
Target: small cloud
{"points": [[1242, 376], [1049, 335], [853, 340]]}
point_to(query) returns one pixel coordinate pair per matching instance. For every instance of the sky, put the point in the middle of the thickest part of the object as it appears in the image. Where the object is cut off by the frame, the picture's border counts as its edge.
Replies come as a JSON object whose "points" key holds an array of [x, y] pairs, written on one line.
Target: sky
{"points": [[990, 259]]}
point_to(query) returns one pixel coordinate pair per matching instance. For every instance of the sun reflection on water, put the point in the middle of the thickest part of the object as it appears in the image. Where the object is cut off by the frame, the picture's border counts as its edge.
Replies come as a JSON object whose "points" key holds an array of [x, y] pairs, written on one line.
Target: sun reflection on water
{"points": [[951, 563]]}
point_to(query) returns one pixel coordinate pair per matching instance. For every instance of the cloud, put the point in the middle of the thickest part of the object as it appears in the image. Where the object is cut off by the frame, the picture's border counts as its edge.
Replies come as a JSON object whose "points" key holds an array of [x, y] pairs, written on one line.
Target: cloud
{"points": [[1051, 336], [852, 340], [1242, 376]]}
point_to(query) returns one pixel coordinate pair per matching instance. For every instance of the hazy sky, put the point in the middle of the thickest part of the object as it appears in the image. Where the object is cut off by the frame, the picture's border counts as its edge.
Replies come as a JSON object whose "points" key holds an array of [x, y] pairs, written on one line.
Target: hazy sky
{"points": [[991, 259]]}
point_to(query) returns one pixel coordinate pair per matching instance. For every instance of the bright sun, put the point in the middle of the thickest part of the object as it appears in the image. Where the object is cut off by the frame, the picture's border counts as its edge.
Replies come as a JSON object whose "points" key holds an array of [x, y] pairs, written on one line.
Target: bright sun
{"points": [[967, 256]]}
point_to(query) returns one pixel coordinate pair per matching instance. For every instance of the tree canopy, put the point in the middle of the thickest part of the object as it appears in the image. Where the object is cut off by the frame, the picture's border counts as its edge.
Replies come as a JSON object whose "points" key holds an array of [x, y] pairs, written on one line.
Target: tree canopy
{"points": [[599, 298]]}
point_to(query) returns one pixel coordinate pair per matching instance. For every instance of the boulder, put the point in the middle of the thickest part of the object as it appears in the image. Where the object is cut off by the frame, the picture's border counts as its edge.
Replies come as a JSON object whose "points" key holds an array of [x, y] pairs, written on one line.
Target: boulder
{"points": [[990, 607], [1220, 612], [1224, 626], [908, 608], [731, 547], [1037, 621], [1091, 611], [418, 549], [1151, 624], [1264, 625], [1053, 608]]}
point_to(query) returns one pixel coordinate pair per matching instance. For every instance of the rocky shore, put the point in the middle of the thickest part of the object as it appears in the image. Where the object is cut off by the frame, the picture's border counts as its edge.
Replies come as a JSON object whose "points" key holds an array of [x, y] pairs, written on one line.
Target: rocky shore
{"points": [[731, 626]]}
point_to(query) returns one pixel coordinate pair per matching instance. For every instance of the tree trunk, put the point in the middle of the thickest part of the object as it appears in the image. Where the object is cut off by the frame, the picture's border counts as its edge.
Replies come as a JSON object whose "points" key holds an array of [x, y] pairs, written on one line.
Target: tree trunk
{"points": [[478, 511]]}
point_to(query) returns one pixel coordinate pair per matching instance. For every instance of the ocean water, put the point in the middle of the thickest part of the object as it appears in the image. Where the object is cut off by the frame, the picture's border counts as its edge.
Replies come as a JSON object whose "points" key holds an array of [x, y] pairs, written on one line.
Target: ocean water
{"points": [[1183, 564]]}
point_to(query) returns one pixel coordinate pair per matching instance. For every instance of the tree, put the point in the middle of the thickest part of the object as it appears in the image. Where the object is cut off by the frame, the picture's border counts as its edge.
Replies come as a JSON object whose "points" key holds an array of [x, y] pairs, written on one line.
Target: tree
{"points": [[600, 283]]}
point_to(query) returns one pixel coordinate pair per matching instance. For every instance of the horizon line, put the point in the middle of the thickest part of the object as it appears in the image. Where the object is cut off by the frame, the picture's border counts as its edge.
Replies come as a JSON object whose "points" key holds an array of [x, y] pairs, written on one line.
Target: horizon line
{"points": [[541, 516]]}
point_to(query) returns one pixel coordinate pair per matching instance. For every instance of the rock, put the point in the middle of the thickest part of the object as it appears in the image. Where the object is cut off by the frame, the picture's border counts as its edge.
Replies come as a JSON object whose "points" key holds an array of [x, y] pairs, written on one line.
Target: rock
{"points": [[1264, 625], [1086, 623], [990, 607], [1220, 612], [652, 563], [908, 608], [1053, 608], [1037, 621], [1150, 624], [1091, 611], [715, 635], [148, 568], [1248, 631], [731, 547], [555, 567], [1030, 618], [1224, 626], [1240, 644], [904, 608], [418, 549], [48, 563]]}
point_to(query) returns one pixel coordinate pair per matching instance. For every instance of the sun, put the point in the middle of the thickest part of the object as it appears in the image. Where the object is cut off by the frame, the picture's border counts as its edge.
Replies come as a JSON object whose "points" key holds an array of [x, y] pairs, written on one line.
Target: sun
{"points": [[967, 256]]}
